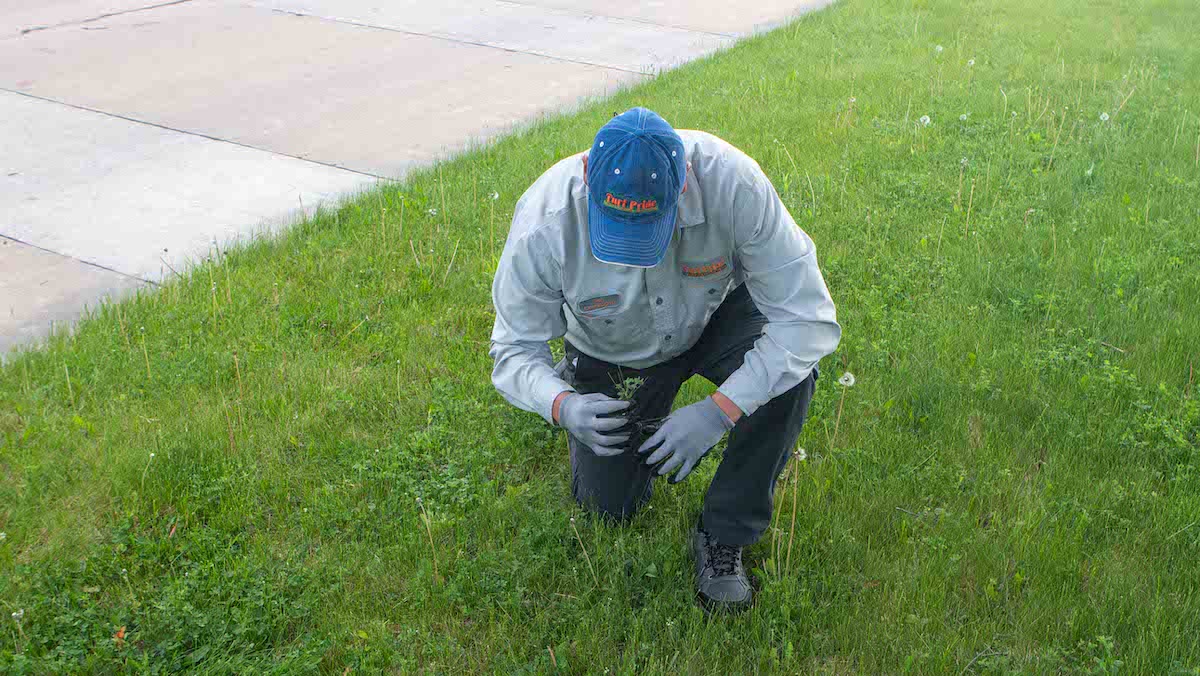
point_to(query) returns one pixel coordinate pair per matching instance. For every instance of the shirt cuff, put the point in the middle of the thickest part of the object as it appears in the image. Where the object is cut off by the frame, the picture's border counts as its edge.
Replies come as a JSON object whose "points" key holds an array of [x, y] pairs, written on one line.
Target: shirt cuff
{"points": [[741, 389], [544, 393]]}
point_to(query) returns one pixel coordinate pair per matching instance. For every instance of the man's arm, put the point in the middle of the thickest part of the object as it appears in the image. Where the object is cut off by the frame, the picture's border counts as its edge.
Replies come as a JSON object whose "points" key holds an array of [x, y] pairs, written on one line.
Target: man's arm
{"points": [[779, 262], [527, 295]]}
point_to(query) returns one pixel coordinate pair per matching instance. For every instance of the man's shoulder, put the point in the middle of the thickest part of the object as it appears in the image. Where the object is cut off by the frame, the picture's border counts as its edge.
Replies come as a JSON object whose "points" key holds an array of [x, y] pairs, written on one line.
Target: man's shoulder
{"points": [[550, 199]]}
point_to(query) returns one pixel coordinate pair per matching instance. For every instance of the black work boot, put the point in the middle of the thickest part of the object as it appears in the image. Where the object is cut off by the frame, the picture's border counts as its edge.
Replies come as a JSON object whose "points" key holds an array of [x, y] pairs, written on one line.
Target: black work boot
{"points": [[720, 579]]}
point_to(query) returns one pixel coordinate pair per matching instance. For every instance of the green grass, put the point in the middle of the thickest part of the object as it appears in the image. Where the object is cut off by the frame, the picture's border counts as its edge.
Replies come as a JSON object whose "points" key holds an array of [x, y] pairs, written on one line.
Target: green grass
{"points": [[1014, 482]]}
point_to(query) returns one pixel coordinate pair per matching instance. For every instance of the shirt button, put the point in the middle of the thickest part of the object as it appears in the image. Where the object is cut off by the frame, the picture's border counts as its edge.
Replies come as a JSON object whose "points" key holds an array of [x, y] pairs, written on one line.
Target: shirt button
{"points": [[608, 321], [668, 337], [658, 301], [711, 291]]}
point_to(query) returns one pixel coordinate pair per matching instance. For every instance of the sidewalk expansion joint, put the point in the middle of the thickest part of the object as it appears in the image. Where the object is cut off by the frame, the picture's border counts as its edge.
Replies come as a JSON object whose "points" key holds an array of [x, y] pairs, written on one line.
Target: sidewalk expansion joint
{"points": [[193, 133], [80, 260], [593, 15], [33, 29], [461, 41]]}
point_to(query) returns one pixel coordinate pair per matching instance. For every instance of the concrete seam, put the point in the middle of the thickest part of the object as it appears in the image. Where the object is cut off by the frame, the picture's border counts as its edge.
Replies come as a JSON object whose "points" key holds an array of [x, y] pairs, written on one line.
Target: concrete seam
{"points": [[33, 29], [190, 133], [623, 18], [80, 260], [447, 38]]}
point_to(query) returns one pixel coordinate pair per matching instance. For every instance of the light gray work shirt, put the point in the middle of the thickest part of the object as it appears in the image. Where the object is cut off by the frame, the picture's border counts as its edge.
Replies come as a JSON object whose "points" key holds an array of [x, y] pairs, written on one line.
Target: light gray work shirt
{"points": [[732, 228]]}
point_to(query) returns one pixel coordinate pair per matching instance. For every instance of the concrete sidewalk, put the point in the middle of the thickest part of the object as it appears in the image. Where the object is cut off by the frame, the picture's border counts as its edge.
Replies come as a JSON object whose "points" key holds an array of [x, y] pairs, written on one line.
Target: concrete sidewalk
{"points": [[133, 134]]}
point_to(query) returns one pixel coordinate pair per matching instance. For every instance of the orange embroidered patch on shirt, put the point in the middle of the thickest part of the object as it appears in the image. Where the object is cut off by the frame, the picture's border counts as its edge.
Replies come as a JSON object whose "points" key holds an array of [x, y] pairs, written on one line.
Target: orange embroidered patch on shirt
{"points": [[705, 269]]}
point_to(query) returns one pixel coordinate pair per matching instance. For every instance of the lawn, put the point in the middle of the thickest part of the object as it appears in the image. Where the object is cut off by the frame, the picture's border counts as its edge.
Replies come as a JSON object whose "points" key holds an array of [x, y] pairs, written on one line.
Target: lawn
{"points": [[292, 459]]}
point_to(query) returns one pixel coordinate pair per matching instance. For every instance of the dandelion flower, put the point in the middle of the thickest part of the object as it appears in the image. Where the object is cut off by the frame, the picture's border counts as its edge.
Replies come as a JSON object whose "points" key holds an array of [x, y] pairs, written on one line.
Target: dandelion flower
{"points": [[963, 117], [970, 62], [18, 614], [1104, 117], [847, 379], [925, 120], [495, 196], [938, 49]]}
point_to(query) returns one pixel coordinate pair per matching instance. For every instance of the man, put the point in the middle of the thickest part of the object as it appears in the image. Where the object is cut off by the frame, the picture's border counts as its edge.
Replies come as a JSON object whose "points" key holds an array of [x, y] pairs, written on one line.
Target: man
{"points": [[659, 255]]}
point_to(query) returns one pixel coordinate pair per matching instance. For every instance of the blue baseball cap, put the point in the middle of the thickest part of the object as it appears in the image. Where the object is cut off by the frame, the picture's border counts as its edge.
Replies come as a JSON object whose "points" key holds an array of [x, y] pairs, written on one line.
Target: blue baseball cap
{"points": [[636, 170]]}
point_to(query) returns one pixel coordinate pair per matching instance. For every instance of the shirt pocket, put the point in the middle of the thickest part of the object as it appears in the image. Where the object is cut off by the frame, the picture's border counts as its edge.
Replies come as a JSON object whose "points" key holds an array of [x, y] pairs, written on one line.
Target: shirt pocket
{"points": [[705, 285], [611, 320]]}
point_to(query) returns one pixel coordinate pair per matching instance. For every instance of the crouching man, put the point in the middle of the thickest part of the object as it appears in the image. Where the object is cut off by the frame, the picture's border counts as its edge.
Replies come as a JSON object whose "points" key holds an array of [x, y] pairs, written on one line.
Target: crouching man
{"points": [[657, 255]]}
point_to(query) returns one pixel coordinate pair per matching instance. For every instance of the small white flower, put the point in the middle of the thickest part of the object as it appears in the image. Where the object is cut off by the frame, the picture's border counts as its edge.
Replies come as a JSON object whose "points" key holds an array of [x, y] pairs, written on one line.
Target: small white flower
{"points": [[925, 120], [962, 118], [801, 454], [970, 62], [847, 379], [151, 456], [853, 100], [938, 49], [1104, 117], [3, 537], [495, 196], [432, 212], [1014, 113], [1090, 169], [123, 572], [963, 162], [18, 614]]}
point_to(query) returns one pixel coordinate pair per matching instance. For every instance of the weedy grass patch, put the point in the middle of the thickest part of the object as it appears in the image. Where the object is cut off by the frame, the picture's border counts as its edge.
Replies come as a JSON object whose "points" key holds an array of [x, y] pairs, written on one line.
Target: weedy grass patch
{"points": [[223, 475]]}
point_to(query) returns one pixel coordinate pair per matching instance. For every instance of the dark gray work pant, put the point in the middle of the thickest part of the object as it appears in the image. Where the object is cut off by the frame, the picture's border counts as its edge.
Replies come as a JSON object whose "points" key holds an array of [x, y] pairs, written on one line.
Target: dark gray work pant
{"points": [[738, 506]]}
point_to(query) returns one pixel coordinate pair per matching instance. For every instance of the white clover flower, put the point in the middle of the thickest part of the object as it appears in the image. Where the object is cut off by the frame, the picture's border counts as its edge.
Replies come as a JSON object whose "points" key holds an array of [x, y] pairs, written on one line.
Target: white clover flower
{"points": [[18, 614], [963, 117], [925, 120], [432, 212], [970, 62], [495, 196], [938, 49], [847, 379], [1104, 117]]}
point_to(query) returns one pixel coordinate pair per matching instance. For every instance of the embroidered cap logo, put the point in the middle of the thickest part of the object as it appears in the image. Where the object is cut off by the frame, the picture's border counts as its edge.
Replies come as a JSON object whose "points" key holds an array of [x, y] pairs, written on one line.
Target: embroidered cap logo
{"points": [[630, 206]]}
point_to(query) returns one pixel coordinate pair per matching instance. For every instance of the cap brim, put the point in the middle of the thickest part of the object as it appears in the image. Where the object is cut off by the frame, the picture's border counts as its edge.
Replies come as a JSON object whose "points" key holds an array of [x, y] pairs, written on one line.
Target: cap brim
{"points": [[639, 244]]}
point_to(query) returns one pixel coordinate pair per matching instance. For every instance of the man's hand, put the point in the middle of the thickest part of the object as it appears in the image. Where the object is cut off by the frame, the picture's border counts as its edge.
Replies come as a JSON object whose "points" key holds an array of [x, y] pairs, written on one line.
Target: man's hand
{"points": [[686, 436], [580, 415]]}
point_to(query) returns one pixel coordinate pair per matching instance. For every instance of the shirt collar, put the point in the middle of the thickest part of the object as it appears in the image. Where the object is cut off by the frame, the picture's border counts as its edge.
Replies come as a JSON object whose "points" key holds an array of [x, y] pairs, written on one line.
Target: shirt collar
{"points": [[691, 204]]}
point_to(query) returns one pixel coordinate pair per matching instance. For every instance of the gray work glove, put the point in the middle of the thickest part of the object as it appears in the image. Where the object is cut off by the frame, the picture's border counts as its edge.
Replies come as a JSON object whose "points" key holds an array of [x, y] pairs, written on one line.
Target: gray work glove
{"points": [[580, 415], [686, 436]]}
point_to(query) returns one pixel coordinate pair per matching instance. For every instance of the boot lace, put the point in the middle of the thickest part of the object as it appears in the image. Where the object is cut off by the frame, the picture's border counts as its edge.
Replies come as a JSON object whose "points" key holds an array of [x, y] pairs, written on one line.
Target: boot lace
{"points": [[721, 558]]}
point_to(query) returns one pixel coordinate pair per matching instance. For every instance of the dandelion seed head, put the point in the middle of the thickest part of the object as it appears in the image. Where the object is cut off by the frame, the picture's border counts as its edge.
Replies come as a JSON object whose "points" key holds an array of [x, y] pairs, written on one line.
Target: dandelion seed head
{"points": [[963, 117], [847, 379], [1104, 117], [151, 456], [1014, 113], [925, 120], [970, 62], [939, 49]]}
